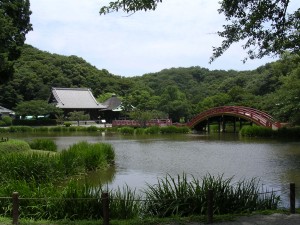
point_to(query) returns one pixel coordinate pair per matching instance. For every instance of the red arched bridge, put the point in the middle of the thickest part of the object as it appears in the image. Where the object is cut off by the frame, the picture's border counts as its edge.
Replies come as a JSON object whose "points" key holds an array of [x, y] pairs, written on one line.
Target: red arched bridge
{"points": [[234, 114]]}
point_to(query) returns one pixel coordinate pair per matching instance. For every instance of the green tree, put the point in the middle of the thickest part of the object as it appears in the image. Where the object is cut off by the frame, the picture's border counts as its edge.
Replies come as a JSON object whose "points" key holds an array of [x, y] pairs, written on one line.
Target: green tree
{"points": [[285, 102], [78, 116], [36, 108], [174, 103], [265, 25], [14, 25]]}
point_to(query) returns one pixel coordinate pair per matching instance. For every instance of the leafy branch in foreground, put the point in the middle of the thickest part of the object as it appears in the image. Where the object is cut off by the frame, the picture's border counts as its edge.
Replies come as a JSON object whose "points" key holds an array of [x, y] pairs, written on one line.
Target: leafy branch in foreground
{"points": [[266, 26], [129, 6]]}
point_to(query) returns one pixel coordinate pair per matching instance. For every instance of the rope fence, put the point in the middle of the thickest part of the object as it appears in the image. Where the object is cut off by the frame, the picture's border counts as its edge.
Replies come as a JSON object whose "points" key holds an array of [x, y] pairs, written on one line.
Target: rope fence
{"points": [[105, 199]]}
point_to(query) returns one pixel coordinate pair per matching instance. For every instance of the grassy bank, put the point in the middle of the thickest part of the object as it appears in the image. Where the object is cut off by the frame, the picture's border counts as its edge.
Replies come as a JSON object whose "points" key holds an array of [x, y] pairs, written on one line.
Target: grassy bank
{"points": [[258, 131]]}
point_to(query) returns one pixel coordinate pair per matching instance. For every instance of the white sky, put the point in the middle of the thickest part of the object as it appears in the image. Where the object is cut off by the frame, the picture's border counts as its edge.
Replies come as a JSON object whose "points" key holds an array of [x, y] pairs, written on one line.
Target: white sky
{"points": [[178, 34]]}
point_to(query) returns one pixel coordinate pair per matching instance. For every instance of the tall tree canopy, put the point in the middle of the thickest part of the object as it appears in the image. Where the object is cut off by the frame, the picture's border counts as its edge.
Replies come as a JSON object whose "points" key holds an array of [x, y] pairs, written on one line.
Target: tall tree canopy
{"points": [[14, 25], [265, 25]]}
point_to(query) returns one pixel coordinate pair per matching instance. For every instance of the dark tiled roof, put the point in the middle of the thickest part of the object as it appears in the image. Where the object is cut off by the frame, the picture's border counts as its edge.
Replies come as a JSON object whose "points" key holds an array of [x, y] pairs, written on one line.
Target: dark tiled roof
{"points": [[74, 98], [113, 103]]}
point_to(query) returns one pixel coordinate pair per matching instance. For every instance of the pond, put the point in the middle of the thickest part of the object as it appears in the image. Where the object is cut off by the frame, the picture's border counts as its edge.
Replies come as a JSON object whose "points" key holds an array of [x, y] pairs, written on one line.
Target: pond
{"points": [[144, 159]]}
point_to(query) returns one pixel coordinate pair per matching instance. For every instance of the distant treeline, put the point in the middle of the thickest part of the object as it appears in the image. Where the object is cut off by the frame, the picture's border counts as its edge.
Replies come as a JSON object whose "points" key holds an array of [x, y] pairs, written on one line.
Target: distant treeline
{"points": [[180, 93]]}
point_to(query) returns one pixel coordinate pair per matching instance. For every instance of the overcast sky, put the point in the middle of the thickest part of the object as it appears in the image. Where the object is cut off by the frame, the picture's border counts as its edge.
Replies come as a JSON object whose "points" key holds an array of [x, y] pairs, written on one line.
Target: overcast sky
{"points": [[178, 34]]}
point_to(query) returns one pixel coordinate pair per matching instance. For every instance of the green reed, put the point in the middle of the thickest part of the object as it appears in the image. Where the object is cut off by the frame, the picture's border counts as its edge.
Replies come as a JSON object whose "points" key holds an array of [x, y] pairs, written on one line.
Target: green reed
{"points": [[174, 130], [169, 197], [257, 131], [126, 130], [182, 197], [43, 144], [152, 130], [125, 203]]}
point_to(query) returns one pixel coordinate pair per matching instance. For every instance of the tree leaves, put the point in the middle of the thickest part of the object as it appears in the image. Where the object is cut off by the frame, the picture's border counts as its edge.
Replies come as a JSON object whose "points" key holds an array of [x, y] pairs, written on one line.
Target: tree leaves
{"points": [[265, 26], [129, 6]]}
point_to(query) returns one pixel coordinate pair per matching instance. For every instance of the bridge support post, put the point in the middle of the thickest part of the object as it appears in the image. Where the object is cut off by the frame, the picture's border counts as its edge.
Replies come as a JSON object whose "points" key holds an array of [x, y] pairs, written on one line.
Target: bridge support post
{"points": [[234, 125], [223, 125], [208, 126]]}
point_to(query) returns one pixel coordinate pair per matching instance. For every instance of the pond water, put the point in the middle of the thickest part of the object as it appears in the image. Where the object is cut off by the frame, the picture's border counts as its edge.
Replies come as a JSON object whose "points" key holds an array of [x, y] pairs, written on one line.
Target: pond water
{"points": [[144, 159]]}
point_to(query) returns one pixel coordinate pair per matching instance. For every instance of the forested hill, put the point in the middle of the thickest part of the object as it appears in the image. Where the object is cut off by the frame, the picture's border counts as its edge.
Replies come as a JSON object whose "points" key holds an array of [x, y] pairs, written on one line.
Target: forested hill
{"points": [[178, 92], [37, 71]]}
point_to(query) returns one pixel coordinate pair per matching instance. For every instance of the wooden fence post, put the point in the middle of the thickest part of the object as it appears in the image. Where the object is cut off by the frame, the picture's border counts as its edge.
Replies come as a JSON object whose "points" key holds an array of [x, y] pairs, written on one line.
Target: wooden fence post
{"points": [[292, 198], [15, 201], [105, 205], [210, 206]]}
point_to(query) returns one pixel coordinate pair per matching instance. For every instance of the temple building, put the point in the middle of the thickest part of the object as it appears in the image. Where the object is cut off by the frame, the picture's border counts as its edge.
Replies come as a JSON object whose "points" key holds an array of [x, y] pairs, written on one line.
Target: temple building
{"points": [[76, 99]]}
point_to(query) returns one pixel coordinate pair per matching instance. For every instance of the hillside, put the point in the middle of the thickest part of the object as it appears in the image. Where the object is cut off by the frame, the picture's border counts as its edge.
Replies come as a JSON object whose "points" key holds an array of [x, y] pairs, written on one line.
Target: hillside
{"points": [[178, 92]]}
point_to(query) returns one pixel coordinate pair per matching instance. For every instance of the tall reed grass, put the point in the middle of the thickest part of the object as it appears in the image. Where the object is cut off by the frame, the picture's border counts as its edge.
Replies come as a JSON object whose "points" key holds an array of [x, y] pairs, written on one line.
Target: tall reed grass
{"points": [[43, 144], [169, 197], [179, 196], [257, 131], [46, 167]]}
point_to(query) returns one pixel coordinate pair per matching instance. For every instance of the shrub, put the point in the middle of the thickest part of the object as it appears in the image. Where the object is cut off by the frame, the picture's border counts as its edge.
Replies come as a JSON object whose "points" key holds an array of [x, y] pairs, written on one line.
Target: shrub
{"points": [[41, 129], [174, 130], [43, 144], [67, 124], [14, 146], [256, 131], [7, 120], [140, 131], [20, 129], [152, 130], [126, 130], [92, 128]]}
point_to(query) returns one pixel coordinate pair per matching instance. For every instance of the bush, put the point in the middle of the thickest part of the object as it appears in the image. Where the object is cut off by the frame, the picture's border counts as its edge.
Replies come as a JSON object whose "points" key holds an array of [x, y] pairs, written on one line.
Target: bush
{"points": [[7, 120], [126, 130], [92, 128], [174, 130], [256, 131], [140, 131], [67, 124], [20, 129], [152, 130], [43, 144], [14, 146]]}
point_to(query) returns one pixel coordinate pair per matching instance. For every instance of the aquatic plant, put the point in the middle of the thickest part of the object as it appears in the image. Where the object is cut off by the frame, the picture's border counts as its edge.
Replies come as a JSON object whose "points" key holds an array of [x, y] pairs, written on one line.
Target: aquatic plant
{"points": [[43, 144], [179, 196]]}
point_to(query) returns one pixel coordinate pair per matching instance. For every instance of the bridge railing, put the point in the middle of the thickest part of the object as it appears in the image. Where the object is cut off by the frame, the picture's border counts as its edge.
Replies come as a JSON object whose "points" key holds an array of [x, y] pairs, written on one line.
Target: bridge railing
{"points": [[254, 115]]}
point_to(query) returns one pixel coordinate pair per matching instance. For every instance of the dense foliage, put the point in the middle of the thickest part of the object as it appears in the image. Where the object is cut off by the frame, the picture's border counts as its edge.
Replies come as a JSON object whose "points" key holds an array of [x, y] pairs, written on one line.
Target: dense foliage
{"points": [[265, 26], [14, 25], [179, 93]]}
